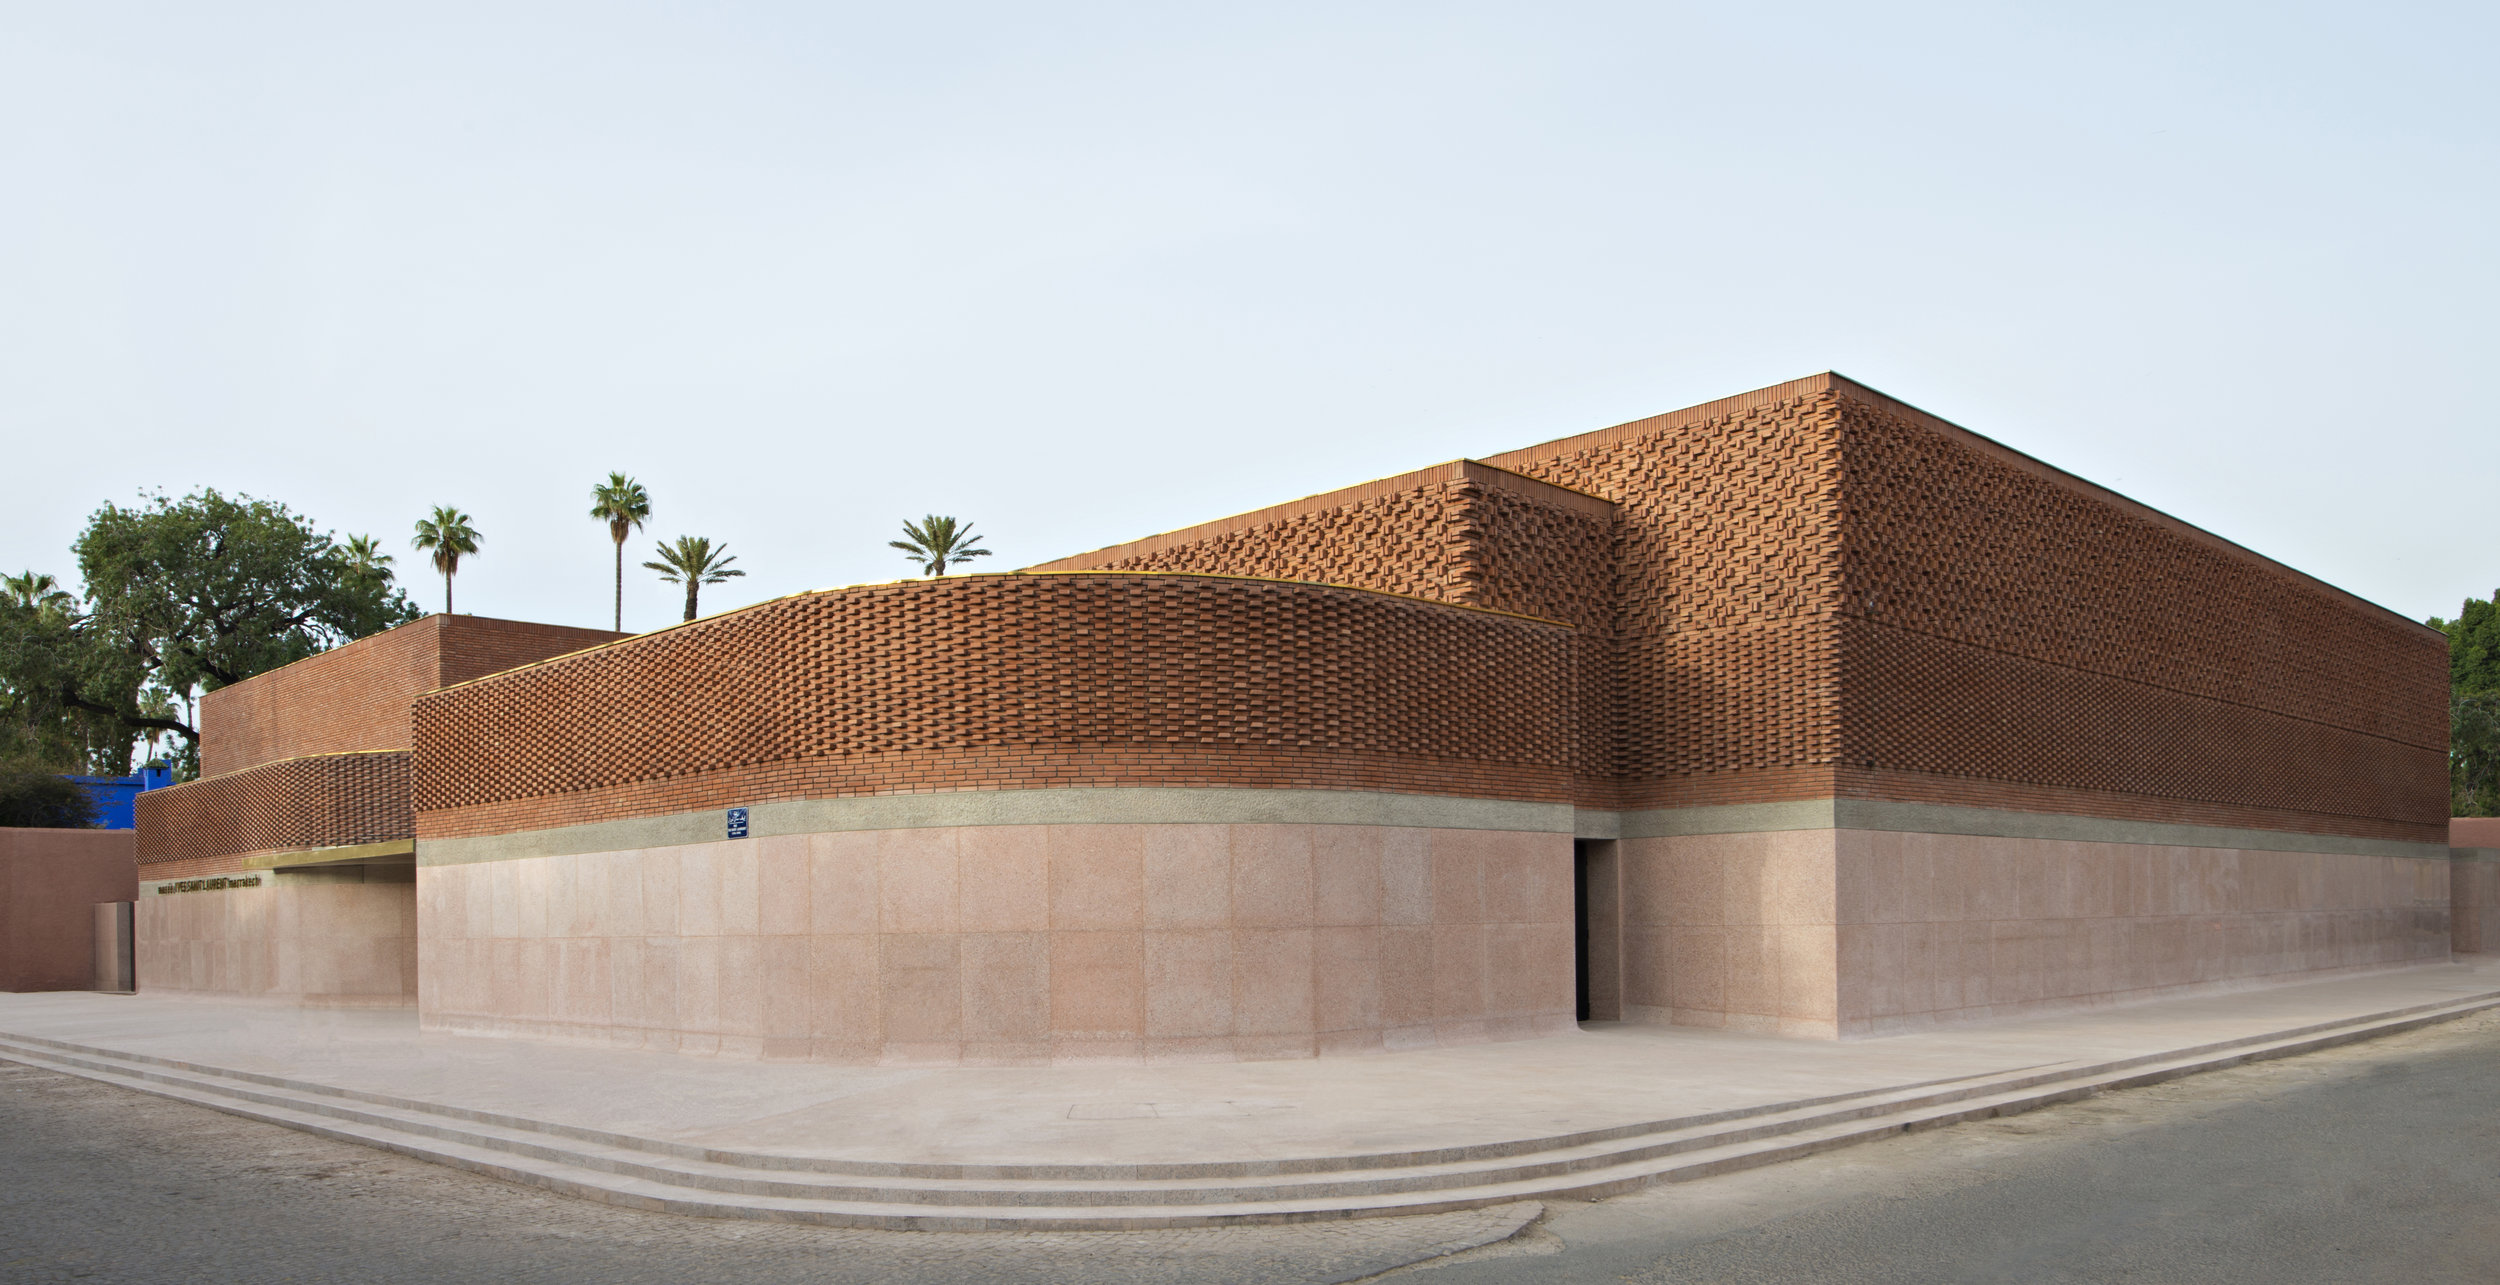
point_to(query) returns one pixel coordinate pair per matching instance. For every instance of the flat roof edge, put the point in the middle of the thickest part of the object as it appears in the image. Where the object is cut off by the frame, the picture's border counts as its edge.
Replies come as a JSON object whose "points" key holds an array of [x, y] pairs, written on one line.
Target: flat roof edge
{"points": [[1853, 390]]}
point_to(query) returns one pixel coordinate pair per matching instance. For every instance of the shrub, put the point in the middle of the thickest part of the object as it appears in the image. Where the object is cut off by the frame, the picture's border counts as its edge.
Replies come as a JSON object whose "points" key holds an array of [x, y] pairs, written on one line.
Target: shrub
{"points": [[34, 795]]}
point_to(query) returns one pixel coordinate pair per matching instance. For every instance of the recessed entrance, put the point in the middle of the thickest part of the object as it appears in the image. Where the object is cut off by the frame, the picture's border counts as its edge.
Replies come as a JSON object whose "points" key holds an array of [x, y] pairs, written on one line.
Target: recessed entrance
{"points": [[1596, 930]]}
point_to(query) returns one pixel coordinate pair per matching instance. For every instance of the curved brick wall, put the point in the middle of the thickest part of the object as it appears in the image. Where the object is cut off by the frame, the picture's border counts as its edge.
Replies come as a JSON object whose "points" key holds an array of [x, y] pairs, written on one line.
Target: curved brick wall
{"points": [[318, 802], [1005, 682]]}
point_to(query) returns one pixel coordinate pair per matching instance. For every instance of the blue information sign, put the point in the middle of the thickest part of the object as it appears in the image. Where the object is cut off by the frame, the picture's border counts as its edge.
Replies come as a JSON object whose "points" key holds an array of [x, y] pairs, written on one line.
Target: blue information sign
{"points": [[737, 823]]}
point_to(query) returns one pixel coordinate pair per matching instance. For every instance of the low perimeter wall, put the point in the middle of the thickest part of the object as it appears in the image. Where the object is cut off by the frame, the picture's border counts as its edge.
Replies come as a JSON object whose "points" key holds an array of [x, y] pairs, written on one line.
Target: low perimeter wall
{"points": [[1013, 944], [336, 936], [1852, 932], [50, 881]]}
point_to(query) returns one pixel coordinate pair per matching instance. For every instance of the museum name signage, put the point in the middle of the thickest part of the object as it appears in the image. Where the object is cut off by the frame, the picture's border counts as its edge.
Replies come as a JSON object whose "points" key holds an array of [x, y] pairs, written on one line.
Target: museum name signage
{"points": [[208, 885]]}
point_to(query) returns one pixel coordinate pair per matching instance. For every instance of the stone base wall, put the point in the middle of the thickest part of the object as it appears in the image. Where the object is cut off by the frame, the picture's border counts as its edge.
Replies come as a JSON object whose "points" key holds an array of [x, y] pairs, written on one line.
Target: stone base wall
{"points": [[1845, 932], [1014, 944], [2474, 901], [344, 936]]}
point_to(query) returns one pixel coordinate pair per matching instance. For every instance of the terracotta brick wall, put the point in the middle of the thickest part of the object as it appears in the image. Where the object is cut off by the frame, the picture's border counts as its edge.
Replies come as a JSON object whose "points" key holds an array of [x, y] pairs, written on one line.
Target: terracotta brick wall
{"points": [[355, 698], [1461, 532], [290, 805], [1725, 660], [475, 646], [1812, 590], [1014, 681], [345, 700], [2006, 623], [1706, 590]]}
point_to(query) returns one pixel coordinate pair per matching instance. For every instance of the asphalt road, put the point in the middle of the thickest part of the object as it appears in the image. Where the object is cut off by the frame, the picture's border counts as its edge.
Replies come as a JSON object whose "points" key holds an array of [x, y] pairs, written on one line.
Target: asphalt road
{"points": [[2375, 1162], [103, 1184], [2372, 1162]]}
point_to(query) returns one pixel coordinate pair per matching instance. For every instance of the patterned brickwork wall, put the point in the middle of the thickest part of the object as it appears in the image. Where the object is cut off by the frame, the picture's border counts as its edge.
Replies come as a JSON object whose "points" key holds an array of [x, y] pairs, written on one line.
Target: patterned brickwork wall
{"points": [[356, 697], [2006, 636], [1015, 681], [1400, 538], [292, 804], [1725, 562], [1460, 532], [2008, 624]]}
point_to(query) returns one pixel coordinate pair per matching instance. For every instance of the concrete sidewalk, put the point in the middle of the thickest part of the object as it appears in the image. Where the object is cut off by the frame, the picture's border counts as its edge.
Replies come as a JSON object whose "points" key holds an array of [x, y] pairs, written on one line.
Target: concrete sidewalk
{"points": [[1608, 1074], [1395, 1111]]}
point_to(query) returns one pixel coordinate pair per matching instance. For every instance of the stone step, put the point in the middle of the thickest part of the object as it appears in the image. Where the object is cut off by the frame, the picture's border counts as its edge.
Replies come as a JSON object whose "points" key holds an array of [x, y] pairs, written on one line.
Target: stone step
{"points": [[655, 1174], [642, 1163]]}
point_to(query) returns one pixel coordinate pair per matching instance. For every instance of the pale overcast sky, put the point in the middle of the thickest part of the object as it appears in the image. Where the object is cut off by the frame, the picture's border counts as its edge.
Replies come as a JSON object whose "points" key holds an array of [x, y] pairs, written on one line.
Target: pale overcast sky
{"points": [[1079, 273]]}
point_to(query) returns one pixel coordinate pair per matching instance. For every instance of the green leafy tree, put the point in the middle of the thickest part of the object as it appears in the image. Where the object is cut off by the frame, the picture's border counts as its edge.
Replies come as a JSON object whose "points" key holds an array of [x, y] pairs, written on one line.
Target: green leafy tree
{"points": [[935, 541], [624, 506], [182, 595], [2473, 707], [48, 668], [449, 537], [2474, 754], [694, 563], [34, 795]]}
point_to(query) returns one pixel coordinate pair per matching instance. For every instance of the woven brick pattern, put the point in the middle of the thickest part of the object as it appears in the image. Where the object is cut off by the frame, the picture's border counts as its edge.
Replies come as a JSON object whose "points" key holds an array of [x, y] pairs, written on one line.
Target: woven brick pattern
{"points": [[1725, 554], [990, 682], [1405, 543], [1462, 534], [355, 698], [1949, 541], [1928, 705], [2005, 636], [286, 806], [2009, 625]]}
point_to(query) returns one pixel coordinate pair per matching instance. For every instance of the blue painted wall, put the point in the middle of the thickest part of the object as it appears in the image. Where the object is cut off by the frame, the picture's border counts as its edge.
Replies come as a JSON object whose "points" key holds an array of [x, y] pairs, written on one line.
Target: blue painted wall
{"points": [[116, 797]]}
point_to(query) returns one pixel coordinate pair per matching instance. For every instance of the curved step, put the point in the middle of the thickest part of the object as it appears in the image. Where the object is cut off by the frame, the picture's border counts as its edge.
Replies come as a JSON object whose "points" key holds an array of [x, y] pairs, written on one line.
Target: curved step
{"points": [[658, 1174]]}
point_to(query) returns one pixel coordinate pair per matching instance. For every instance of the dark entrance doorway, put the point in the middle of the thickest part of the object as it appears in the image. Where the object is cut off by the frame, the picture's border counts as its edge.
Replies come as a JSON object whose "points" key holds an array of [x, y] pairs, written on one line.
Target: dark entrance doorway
{"points": [[1580, 921], [1596, 930]]}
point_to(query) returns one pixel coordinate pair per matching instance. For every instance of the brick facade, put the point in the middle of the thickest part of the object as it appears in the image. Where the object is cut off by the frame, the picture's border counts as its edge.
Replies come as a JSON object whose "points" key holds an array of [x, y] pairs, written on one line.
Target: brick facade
{"points": [[1463, 533], [323, 801], [315, 754], [2002, 622], [1813, 590], [1808, 592], [1010, 682], [356, 697]]}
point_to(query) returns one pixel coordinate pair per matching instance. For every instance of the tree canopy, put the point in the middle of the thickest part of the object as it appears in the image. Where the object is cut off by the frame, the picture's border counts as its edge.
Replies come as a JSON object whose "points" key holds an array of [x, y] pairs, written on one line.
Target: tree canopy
{"points": [[182, 595], [2473, 708]]}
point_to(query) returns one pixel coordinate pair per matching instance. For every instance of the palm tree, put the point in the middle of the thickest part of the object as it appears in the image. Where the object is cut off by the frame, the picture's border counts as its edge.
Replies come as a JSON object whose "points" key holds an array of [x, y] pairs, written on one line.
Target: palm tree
{"points": [[934, 541], [365, 559], [623, 505], [694, 563], [451, 538], [41, 592]]}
